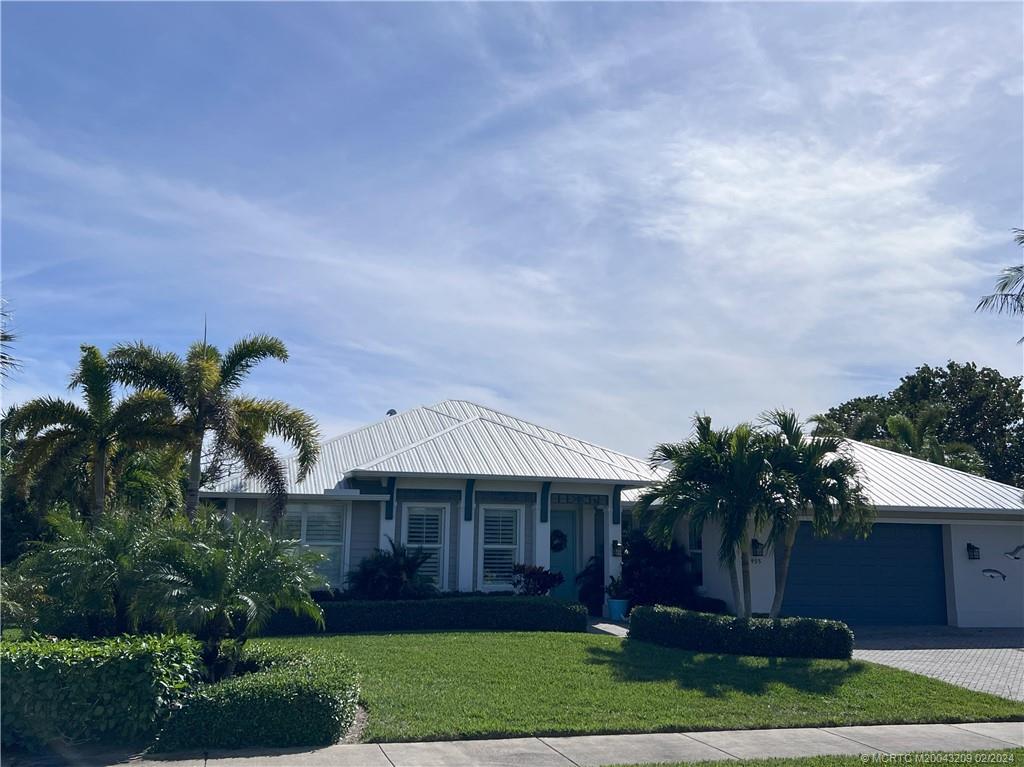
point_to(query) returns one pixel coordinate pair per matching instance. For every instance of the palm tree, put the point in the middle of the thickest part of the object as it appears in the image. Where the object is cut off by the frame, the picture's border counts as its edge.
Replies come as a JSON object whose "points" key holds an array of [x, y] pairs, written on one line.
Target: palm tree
{"points": [[720, 475], [203, 388], [8, 362], [97, 567], [223, 582], [52, 439], [918, 437], [810, 476], [1008, 297]]}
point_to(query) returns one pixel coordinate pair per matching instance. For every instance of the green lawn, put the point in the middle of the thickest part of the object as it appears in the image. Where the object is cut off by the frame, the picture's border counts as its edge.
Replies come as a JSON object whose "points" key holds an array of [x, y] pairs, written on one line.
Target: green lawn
{"points": [[475, 685], [1009, 756]]}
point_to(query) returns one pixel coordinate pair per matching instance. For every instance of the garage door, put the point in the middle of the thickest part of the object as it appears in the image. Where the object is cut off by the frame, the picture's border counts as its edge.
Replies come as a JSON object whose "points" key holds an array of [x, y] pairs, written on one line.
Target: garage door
{"points": [[894, 577]]}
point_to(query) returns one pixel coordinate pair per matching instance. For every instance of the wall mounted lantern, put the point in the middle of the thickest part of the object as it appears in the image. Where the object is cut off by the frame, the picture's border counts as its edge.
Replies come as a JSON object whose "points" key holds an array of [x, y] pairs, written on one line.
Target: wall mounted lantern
{"points": [[973, 552], [756, 548], [616, 548]]}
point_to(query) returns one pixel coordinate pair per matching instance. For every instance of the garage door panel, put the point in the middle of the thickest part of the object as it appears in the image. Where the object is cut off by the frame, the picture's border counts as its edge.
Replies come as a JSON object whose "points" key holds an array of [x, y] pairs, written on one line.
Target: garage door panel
{"points": [[894, 577]]}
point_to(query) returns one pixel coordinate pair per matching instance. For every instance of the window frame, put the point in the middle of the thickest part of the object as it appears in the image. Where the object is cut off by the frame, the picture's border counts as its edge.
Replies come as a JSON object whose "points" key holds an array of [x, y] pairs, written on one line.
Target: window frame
{"points": [[446, 511], [520, 509]]}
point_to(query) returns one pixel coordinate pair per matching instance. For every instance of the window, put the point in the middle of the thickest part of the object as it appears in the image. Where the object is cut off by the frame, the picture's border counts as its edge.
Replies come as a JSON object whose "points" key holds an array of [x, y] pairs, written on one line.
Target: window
{"points": [[424, 529], [696, 550], [500, 545], [320, 527]]}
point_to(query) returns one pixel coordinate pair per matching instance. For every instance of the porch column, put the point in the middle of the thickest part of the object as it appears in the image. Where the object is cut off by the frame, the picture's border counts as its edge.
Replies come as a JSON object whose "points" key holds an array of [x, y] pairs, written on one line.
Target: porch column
{"points": [[387, 517], [542, 528], [613, 537], [466, 538]]}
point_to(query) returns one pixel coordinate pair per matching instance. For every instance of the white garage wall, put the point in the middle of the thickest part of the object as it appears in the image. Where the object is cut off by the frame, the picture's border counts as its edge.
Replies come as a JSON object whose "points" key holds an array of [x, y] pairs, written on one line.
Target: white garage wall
{"points": [[981, 600], [716, 575]]}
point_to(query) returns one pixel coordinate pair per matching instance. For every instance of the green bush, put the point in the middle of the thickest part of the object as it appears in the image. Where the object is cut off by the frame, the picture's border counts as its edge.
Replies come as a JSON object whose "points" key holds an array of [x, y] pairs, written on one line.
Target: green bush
{"points": [[481, 613], [281, 702], [701, 632], [117, 691]]}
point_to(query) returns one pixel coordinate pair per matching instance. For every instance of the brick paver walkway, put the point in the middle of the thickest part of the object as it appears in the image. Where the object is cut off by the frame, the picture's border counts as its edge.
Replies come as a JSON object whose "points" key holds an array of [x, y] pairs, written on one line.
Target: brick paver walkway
{"points": [[987, 660]]}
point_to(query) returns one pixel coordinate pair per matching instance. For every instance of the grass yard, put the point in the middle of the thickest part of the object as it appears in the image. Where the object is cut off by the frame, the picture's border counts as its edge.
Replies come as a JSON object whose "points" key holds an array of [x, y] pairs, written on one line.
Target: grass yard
{"points": [[1009, 756], [474, 685]]}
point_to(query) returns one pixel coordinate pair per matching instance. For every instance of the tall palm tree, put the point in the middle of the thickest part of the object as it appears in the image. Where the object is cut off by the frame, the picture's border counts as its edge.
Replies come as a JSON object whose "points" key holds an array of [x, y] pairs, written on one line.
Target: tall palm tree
{"points": [[203, 388], [717, 475], [1008, 297], [52, 439], [810, 477]]}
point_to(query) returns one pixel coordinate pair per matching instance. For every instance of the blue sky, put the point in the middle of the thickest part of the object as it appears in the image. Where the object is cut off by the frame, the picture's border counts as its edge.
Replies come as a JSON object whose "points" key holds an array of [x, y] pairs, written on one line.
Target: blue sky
{"points": [[603, 217]]}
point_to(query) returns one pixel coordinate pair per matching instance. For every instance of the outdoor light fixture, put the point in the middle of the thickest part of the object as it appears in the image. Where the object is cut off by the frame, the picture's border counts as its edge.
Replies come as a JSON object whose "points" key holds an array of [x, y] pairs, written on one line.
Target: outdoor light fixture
{"points": [[756, 548], [616, 548], [973, 552]]}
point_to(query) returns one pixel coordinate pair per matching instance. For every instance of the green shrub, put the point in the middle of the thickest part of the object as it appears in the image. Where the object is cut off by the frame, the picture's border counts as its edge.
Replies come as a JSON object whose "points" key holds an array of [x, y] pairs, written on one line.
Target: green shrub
{"points": [[281, 702], [482, 613], [701, 632], [117, 691]]}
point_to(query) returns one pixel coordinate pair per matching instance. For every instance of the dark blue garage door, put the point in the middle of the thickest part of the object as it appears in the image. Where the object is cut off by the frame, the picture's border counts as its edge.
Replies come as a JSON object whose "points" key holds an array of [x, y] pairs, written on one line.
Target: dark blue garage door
{"points": [[894, 577]]}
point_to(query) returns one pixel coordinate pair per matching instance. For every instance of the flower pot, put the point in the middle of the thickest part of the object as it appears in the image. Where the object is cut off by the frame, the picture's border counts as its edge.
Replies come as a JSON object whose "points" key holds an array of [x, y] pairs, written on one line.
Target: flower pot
{"points": [[617, 609]]}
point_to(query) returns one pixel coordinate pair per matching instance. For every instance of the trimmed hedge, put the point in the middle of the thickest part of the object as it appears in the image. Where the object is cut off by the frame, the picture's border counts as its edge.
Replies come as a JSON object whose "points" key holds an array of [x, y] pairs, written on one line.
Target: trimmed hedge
{"points": [[117, 691], [282, 701], [471, 613], [702, 632]]}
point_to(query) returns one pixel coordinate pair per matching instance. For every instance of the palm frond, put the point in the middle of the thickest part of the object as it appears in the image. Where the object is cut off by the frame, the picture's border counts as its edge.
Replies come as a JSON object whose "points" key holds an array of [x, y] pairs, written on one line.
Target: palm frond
{"points": [[275, 418], [146, 367], [246, 354], [96, 382], [42, 413]]}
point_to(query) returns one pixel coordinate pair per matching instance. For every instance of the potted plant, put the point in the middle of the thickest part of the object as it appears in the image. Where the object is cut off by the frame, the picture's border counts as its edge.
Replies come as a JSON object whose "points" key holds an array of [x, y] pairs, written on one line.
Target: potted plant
{"points": [[618, 599]]}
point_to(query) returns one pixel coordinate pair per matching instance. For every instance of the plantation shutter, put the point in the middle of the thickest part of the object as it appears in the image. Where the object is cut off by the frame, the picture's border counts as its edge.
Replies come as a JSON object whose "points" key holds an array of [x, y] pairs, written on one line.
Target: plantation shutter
{"points": [[500, 546], [325, 533], [424, 530]]}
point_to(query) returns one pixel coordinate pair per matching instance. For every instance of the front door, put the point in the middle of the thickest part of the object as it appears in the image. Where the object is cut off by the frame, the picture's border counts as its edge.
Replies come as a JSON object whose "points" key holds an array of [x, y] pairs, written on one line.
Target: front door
{"points": [[563, 552]]}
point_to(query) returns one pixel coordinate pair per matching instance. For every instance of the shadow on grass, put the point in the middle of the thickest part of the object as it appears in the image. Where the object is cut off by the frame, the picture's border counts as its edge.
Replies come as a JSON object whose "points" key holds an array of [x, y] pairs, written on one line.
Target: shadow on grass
{"points": [[717, 675]]}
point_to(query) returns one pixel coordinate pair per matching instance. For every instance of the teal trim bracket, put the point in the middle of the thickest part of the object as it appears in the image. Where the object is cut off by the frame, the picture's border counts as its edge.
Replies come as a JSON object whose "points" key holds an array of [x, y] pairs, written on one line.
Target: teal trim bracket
{"points": [[389, 504], [545, 501], [617, 505], [467, 500]]}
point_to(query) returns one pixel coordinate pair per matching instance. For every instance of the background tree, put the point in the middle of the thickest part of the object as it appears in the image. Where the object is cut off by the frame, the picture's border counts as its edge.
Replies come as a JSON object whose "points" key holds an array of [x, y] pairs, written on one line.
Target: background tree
{"points": [[813, 478], [717, 475], [1008, 297], [52, 440], [203, 388], [983, 409]]}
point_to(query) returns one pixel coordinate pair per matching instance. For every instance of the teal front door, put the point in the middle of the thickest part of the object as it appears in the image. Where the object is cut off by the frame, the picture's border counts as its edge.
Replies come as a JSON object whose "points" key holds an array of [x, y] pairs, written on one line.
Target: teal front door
{"points": [[563, 552]]}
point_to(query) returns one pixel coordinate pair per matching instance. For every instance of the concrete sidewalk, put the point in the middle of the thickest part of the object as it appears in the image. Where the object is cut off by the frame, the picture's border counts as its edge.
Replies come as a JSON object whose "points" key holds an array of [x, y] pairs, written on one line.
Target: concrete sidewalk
{"points": [[598, 750]]}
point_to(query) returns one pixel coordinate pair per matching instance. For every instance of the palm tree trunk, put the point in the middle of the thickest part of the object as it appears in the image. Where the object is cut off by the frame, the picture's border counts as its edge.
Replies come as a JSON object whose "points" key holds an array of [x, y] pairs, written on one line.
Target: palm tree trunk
{"points": [[745, 570], [737, 597], [195, 475], [782, 570], [99, 481]]}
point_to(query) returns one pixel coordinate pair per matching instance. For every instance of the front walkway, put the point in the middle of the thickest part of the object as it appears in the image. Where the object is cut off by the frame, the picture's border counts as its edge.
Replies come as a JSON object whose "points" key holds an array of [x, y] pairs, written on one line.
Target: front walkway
{"points": [[986, 660], [602, 750]]}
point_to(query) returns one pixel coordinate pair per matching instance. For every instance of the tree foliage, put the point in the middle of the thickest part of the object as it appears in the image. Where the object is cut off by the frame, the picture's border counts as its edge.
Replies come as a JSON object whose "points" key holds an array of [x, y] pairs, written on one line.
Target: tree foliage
{"points": [[979, 408]]}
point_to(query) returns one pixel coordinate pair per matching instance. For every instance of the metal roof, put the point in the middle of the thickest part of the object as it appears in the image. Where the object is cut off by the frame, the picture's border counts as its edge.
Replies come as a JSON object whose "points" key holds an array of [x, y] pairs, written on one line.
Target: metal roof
{"points": [[454, 438], [893, 481]]}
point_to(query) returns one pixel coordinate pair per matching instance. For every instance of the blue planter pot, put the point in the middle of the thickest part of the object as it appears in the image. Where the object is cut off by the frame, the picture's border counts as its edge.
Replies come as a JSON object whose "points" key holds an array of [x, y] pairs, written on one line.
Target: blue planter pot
{"points": [[617, 609]]}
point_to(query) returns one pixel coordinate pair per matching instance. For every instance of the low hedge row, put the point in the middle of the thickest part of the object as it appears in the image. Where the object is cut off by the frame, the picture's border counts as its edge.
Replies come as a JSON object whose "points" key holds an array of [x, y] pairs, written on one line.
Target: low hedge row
{"points": [[282, 701], [465, 614], [118, 691], [702, 632]]}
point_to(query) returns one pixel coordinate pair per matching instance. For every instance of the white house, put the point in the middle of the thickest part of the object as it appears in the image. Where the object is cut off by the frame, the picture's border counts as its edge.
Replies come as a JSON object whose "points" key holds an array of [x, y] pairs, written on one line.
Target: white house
{"points": [[485, 490]]}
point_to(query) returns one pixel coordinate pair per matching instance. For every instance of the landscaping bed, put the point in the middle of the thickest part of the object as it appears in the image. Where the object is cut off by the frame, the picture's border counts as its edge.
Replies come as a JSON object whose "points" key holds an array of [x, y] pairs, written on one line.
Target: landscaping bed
{"points": [[474, 685]]}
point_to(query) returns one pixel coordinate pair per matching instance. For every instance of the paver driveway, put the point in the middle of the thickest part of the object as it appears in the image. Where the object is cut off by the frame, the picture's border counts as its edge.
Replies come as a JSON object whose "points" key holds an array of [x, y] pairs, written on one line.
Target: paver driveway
{"points": [[987, 660]]}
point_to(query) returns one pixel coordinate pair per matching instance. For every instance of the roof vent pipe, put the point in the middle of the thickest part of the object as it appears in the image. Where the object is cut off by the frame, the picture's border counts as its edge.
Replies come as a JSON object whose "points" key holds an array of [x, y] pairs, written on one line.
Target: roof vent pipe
{"points": [[391, 412]]}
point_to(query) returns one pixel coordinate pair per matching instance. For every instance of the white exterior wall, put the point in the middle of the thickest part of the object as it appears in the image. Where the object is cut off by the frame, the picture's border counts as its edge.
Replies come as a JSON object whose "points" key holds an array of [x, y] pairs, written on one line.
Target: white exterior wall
{"points": [[716, 574], [978, 600]]}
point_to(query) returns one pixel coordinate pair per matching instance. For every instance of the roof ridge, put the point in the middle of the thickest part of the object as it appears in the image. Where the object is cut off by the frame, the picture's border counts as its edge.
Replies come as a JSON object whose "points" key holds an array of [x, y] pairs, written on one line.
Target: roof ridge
{"points": [[545, 428], [417, 443], [468, 421], [935, 465]]}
